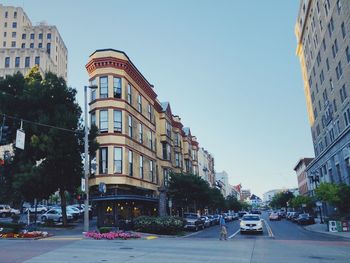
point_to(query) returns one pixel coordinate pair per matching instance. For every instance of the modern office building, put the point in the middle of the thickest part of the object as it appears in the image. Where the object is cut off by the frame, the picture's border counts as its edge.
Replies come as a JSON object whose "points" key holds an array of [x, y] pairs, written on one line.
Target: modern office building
{"points": [[303, 181], [141, 141], [323, 36], [23, 45]]}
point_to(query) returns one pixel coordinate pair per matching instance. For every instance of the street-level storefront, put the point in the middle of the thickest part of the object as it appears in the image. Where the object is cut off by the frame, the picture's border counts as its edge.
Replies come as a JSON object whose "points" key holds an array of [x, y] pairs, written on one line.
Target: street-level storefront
{"points": [[120, 210]]}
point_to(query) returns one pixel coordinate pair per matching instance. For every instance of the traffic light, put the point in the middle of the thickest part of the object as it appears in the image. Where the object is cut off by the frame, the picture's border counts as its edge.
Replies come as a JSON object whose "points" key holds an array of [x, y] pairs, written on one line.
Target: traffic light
{"points": [[4, 135]]}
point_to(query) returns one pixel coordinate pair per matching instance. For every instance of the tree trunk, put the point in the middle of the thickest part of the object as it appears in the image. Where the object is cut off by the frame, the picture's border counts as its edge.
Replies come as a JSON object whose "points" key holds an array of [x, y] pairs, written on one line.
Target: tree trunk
{"points": [[63, 207]]}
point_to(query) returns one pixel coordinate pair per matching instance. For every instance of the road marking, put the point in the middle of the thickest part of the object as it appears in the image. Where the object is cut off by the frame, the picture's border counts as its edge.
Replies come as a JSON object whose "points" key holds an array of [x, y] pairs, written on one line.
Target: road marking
{"points": [[151, 237], [234, 234], [192, 234], [269, 230]]}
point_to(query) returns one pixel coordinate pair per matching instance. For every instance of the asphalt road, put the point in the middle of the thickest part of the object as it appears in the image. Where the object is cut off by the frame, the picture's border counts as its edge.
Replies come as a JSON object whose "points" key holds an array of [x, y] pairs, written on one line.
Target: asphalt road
{"points": [[274, 230], [286, 242]]}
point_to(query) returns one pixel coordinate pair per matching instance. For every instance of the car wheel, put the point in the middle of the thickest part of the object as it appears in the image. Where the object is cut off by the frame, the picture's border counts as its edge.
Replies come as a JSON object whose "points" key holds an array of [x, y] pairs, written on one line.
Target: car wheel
{"points": [[196, 229], [203, 227], [60, 220], [3, 215], [44, 218]]}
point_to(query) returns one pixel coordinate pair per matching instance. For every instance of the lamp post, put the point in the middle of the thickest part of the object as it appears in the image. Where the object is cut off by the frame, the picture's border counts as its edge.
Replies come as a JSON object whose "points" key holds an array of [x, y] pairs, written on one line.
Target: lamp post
{"points": [[315, 178], [86, 161]]}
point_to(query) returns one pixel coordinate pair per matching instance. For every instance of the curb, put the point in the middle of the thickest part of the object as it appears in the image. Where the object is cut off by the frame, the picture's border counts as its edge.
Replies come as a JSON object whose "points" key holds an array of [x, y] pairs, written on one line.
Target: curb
{"points": [[324, 233]]}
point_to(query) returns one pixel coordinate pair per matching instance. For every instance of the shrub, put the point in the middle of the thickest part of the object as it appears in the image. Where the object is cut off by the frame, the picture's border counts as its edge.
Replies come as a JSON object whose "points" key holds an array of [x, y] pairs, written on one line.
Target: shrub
{"points": [[159, 225], [16, 227], [105, 229]]}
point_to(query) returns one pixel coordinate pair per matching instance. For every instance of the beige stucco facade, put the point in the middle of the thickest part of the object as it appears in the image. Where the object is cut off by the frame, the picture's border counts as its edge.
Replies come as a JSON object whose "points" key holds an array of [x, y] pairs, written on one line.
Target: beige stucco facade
{"points": [[23, 45], [141, 141]]}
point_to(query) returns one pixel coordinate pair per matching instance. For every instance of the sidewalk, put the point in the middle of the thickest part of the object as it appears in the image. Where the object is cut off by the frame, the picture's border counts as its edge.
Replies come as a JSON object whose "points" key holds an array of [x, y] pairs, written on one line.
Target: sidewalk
{"points": [[323, 228]]}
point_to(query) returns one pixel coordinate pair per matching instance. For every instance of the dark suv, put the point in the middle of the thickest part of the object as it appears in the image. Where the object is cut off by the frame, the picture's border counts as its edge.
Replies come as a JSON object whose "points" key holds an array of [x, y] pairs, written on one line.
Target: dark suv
{"points": [[193, 221]]}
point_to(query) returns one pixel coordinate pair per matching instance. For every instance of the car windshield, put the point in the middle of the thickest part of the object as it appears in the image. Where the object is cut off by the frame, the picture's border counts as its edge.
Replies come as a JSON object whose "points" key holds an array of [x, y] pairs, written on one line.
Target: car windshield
{"points": [[304, 215], [251, 218]]}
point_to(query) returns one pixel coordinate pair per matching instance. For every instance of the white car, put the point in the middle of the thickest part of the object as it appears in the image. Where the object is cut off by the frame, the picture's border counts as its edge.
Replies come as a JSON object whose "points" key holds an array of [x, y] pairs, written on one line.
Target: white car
{"points": [[39, 209], [55, 215], [251, 223]]}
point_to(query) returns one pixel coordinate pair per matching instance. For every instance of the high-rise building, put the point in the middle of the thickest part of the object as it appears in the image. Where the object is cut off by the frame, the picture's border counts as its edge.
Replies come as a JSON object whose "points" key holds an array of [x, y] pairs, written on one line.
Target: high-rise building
{"points": [[141, 141], [323, 37], [23, 45]]}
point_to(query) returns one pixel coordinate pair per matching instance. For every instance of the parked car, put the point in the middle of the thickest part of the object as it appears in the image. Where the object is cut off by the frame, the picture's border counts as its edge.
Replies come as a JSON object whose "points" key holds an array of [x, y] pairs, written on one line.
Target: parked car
{"points": [[251, 223], [5, 210], [205, 221], [75, 212], [305, 219], [15, 212], [290, 215], [55, 215], [193, 221], [211, 219], [217, 219], [235, 216], [274, 217], [39, 209], [295, 217]]}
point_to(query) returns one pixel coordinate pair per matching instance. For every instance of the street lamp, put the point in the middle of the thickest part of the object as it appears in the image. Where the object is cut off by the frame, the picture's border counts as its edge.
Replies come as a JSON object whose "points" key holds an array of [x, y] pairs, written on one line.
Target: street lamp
{"points": [[315, 178], [86, 163]]}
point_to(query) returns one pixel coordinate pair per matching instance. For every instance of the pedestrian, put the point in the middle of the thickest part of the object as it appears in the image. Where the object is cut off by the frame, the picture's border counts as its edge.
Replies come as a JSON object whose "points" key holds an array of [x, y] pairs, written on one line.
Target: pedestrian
{"points": [[223, 230]]}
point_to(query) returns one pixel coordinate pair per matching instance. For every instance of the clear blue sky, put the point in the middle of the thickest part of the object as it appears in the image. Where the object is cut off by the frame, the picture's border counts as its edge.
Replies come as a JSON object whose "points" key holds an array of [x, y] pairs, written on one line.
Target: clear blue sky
{"points": [[228, 68]]}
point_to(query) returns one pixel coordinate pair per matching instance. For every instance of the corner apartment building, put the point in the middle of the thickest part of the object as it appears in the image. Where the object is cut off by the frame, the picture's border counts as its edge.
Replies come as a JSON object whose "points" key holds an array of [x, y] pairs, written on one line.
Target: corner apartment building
{"points": [[323, 36], [141, 141], [23, 45], [303, 180]]}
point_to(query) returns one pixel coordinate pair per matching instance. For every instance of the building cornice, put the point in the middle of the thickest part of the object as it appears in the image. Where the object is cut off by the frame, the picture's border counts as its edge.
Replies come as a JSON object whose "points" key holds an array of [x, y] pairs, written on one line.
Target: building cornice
{"points": [[127, 66]]}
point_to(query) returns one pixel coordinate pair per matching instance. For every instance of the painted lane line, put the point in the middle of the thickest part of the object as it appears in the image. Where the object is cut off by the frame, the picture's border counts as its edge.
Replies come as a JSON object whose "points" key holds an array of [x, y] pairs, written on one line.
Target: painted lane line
{"points": [[193, 234], [234, 234], [269, 230]]}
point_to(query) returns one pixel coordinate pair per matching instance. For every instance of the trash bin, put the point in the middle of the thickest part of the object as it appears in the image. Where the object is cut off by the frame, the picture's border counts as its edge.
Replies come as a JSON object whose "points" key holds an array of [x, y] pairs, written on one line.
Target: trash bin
{"points": [[345, 226], [332, 226], [339, 226]]}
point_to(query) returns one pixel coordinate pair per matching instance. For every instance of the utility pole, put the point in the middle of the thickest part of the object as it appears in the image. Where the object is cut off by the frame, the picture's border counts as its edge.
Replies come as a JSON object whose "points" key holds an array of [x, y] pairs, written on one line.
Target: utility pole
{"points": [[86, 163]]}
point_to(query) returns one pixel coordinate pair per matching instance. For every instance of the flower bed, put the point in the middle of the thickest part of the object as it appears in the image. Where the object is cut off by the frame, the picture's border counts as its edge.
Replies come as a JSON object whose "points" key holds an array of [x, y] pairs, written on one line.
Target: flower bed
{"points": [[33, 234], [111, 235]]}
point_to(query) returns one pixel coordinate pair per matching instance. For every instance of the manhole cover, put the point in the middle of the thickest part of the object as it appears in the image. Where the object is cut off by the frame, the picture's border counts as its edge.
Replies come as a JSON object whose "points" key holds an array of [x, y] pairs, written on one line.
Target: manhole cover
{"points": [[126, 248]]}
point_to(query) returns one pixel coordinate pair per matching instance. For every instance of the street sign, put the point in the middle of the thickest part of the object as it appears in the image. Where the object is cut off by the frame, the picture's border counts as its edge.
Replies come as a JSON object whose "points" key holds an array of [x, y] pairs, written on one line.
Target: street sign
{"points": [[83, 184], [318, 203], [20, 138]]}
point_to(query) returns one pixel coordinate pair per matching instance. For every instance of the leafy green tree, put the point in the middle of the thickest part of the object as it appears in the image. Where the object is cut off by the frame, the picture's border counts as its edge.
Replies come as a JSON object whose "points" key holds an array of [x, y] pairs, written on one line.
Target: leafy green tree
{"points": [[281, 199], [301, 200], [192, 193], [51, 160], [233, 204], [328, 192]]}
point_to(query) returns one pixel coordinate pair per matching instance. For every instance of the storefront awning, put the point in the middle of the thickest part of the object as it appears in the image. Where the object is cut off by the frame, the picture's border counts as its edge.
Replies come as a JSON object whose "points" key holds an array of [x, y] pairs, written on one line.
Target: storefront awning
{"points": [[124, 197]]}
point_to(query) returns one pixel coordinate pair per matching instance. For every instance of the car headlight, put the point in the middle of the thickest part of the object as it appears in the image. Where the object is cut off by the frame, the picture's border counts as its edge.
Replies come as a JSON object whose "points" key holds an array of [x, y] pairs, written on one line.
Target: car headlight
{"points": [[259, 224], [242, 224]]}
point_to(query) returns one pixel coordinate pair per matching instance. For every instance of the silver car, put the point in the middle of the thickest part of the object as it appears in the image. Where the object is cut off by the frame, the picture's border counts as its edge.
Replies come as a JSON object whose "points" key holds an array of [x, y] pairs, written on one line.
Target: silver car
{"points": [[55, 215]]}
